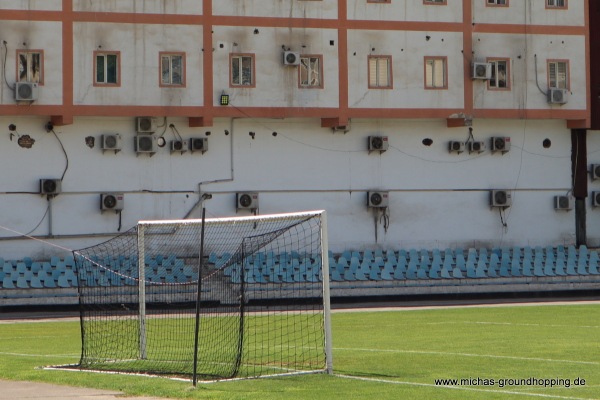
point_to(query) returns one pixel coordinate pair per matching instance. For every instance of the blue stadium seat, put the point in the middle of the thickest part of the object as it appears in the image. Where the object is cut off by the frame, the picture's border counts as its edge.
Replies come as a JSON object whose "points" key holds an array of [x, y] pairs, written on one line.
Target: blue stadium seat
{"points": [[387, 273], [593, 263], [470, 263], [493, 265], [8, 282], [582, 260], [482, 265]]}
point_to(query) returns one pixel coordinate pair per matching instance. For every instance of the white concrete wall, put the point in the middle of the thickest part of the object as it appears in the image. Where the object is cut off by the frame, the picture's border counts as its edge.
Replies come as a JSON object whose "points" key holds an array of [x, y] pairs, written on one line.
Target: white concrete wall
{"points": [[50, 5], [276, 84], [437, 199], [529, 12], [139, 46], [593, 213], [405, 11], [527, 81], [407, 49], [325, 9], [33, 35], [187, 7]]}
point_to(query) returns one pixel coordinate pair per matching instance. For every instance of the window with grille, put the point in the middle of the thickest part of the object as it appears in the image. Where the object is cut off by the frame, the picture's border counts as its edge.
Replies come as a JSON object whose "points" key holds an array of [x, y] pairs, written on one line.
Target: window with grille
{"points": [[380, 72], [558, 74], [556, 3], [500, 74], [310, 72], [29, 66]]}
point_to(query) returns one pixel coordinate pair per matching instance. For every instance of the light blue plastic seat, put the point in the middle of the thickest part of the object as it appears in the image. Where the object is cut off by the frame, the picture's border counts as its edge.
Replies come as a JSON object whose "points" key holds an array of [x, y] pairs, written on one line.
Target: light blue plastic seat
{"points": [[482, 265], [582, 260], [493, 265], [387, 273], [411, 270], [8, 282]]}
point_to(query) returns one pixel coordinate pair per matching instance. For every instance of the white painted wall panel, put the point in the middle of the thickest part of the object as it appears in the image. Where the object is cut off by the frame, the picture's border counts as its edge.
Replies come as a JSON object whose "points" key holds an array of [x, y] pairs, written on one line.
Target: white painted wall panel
{"points": [[437, 199], [34, 35], [407, 50], [325, 9], [186, 7], [405, 11], [140, 46], [529, 12], [49, 5], [276, 84]]}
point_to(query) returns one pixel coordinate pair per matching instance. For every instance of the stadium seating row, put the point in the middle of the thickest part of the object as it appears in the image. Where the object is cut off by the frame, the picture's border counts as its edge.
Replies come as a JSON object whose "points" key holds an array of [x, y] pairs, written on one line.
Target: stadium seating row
{"points": [[294, 267]]}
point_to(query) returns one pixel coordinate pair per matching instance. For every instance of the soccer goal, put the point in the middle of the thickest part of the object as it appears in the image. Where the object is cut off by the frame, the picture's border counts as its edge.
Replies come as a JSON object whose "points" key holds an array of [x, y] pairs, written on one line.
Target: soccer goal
{"points": [[211, 299]]}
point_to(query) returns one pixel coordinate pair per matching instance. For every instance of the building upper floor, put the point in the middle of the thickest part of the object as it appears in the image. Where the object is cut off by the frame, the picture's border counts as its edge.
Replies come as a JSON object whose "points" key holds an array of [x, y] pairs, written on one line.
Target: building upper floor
{"points": [[333, 59]]}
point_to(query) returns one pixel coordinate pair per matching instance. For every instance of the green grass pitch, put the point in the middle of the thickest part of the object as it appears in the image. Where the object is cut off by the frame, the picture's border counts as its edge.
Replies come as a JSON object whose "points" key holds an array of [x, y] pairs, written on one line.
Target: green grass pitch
{"points": [[508, 352]]}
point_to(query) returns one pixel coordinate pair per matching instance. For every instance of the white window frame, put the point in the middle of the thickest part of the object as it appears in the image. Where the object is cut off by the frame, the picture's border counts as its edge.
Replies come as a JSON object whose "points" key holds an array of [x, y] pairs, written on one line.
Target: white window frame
{"points": [[30, 66], [170, 73], [310, 72], [380, 72], [245, 74], [495, 82], [558, 79], [433, 74], [105, 55]]}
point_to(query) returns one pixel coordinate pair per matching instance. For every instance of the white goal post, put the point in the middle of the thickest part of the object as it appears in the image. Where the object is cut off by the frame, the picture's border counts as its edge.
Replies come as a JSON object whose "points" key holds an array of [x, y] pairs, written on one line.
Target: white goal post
{"points": [[262, 284]]}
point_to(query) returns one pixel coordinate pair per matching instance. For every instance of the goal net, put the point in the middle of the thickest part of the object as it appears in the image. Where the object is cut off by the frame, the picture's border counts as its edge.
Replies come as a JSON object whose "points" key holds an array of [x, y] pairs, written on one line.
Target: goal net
{"points": [[214, 299]]}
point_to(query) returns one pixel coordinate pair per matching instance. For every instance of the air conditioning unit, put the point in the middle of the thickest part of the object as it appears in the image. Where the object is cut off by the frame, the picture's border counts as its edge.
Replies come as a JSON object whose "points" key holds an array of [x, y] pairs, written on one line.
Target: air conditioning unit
{"points": [[112, 201], [481, 70], [178, 145], [564, 202], [198, 144], [26, 91], [378, 199], [145, 124], [145, 144], [110, 142], [378, 143], [456, 147], [246, 201], [557, 96], [291, 58], [500, 198], [595, 171], [500, 144], [50, 186], [596, 199], [476, 147]]}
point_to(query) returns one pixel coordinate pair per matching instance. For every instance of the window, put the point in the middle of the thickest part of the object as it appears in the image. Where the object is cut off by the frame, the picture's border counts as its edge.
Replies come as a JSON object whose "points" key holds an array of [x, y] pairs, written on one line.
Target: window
{"points": [[380, 72], [435, 73], [29, 66], [497, 2], [558, 74], [310, 72], [379, 1], [500, 74], [172, 69], [242, 70], [556, 3], [106, 67], [434, 1]]}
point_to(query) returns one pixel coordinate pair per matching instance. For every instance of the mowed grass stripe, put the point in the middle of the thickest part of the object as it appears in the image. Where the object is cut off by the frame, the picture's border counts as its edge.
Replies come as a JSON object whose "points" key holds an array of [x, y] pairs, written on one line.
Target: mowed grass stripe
{"points": [[377, 347]]}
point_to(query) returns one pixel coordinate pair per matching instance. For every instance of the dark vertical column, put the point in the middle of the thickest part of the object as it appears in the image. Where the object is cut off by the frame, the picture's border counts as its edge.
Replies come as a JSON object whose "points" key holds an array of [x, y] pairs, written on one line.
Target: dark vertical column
{"points": [[580, 182]]}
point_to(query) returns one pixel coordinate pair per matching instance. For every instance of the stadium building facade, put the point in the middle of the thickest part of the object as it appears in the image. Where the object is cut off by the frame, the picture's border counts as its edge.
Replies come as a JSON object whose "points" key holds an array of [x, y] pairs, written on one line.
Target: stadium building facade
{"points": [[415, 124]]}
